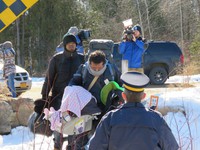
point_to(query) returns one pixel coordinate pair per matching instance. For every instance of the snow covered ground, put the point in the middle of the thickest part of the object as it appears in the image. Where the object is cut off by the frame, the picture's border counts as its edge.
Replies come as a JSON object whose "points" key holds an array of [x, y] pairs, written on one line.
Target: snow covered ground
{"points": [[182, 108]]}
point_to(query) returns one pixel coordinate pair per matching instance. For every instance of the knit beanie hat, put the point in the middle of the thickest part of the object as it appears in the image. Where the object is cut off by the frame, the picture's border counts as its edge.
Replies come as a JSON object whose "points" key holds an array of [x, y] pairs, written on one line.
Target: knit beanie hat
{"points": [[67, 38], [7, 45], [137, 27]]}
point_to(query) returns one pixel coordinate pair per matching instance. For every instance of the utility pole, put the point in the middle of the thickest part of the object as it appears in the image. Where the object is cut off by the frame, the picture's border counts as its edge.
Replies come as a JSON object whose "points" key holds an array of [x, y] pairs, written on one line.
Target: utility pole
{"points": [[181, 23], [18, 42]]}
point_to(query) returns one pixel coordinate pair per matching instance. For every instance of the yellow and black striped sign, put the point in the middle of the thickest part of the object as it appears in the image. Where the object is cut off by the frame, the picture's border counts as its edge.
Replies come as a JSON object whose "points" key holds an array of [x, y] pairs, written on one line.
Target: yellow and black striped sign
{"points": [[10, 10]]}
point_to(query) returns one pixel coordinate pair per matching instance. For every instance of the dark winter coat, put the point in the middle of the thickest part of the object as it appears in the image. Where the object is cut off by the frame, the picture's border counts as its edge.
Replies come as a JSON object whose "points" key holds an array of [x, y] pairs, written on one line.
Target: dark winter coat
{"points": [[133, 127], [61, 68], [84, 78]]}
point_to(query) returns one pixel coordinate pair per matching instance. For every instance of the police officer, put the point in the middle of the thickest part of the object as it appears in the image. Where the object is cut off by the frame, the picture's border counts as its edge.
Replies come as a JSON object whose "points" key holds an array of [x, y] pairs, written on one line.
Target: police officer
{"points": [[132, 126]]}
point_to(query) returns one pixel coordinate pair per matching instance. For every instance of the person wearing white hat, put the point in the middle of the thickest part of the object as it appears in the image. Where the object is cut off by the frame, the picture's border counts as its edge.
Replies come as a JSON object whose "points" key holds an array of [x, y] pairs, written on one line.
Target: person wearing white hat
{"points": [[7, 53]]}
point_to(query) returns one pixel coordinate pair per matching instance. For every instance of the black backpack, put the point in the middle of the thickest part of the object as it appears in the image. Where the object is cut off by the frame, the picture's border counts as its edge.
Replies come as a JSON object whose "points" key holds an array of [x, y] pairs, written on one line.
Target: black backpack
{"points": [[102, 44]]}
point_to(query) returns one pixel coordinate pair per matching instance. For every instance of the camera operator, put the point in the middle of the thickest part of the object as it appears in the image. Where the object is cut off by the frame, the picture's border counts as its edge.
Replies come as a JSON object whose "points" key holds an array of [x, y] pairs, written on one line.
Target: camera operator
{"points": [[132, 48]]}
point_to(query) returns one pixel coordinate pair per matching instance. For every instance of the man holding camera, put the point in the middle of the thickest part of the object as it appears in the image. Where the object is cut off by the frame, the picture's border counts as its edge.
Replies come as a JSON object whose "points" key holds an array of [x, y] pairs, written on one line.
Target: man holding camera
{"points": [[132, 48]]}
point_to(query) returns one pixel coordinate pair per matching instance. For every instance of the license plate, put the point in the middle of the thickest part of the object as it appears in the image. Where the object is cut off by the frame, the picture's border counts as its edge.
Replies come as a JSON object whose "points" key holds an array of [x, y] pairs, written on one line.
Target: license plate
{"points": [[23, 85]]}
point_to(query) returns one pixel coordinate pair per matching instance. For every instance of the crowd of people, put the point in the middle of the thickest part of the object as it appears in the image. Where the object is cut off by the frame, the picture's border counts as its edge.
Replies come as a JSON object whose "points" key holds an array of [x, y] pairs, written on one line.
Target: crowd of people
{"points": [[129, 125], [124, 127]]}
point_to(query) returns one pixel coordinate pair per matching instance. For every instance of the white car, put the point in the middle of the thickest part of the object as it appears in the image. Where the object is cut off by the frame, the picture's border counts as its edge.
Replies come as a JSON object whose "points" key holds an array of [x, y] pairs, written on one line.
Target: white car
{"points": [[23, 82]]}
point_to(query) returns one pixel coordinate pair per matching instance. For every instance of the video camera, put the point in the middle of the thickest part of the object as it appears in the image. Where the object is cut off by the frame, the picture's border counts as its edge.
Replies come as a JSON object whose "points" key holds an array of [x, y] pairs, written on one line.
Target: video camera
{"points": [[84, 34], [128, 34]]}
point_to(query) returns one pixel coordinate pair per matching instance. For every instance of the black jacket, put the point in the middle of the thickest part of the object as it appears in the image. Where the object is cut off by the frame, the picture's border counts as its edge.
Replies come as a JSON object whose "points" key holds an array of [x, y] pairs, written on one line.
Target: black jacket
{"points": [[61, 68]]}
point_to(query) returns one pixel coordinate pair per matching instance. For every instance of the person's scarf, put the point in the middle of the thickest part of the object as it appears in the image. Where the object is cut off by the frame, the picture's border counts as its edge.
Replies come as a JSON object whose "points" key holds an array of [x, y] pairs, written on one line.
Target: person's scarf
{"points": [[96, 73]]}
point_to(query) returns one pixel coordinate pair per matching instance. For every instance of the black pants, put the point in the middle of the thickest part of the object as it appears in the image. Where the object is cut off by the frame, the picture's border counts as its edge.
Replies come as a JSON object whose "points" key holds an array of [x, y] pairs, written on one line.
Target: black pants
{"points": [[58, 140]]}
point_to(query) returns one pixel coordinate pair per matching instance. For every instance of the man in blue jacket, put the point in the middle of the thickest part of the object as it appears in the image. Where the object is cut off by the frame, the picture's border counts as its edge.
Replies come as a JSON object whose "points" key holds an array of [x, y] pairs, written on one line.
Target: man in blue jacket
{"points": [[132, 126], [132, 48], [93, 76]]}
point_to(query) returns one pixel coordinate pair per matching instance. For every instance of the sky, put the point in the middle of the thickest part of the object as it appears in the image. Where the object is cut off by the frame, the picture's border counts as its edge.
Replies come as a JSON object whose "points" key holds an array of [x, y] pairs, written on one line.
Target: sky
{"points": [[182, 109]]}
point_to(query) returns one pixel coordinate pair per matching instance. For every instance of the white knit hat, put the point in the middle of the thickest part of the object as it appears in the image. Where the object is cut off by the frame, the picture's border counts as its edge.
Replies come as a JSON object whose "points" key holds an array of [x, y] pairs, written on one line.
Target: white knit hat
{"points": [[7, 45]]}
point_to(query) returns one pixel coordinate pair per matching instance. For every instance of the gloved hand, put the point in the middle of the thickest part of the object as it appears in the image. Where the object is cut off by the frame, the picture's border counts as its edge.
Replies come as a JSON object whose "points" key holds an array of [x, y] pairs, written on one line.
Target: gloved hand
{"points": [[153, 107], [40, 104], [38, 125]]}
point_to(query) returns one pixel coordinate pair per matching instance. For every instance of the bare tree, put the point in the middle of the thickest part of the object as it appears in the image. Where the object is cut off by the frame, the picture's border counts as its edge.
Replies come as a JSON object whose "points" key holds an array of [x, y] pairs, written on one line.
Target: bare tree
{"points": [[181, 23], [148, 21], [140, 16], [198, 4]]}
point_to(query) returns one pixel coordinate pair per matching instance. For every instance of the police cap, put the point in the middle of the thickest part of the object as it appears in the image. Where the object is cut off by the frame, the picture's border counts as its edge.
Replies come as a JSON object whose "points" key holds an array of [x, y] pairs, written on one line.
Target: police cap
{"points": [[134, 81]]}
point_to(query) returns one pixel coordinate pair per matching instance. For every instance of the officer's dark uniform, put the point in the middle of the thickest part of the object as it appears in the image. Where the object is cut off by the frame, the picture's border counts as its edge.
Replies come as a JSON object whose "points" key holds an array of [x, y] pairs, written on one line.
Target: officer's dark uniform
{"points": [[133, 127]]}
